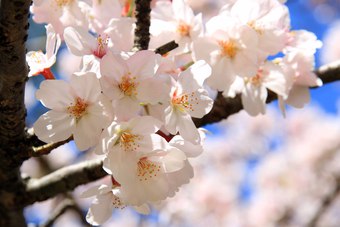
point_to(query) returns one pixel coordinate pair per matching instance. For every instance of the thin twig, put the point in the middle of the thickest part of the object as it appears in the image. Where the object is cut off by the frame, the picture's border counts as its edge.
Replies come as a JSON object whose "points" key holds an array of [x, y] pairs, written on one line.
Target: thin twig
{"points": [[166, 48], [47, 148]]}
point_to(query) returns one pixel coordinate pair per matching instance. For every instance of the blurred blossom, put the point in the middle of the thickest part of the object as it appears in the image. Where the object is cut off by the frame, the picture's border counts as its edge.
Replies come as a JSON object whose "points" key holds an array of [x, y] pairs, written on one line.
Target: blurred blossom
{"points": [[331, 48]]}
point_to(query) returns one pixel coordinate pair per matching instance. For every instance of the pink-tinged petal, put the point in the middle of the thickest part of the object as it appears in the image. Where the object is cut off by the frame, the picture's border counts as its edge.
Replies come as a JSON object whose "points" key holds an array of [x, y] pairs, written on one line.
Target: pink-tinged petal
{"points": [[153, 91], [110, 88], [113, 67], [53, 41], [173, 160], [102, 108], [276, 80], [162, 11], [200, 103], [222, 75], [254, 99], [86, 86], [178, 178], [100, 209], [194, 77], [121, 33], [126, 108], [79, 41], [182, 11], [87, 131], [145, 125], [171, 120], [143, 64], [190, 149], [203, 47], [93, 191], [188, 130], [55, 94], [299, 96], [54, 126]]}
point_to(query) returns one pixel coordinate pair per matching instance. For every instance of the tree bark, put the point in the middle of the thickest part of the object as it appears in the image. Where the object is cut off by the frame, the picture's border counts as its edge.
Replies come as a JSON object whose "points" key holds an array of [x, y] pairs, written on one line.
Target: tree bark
{"points": [[13, 75]]}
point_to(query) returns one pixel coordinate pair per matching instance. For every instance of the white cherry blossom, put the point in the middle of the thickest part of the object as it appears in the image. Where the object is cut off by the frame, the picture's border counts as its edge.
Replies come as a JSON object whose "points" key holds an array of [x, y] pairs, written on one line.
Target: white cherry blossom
{"points": [[188, 99], [40, 63], [77, 108], [230, 48], [131, 83]]}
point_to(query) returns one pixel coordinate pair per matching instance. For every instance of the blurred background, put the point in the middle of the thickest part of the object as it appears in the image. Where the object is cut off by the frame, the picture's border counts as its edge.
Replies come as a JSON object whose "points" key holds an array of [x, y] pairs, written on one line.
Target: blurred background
{"points": [[264, 171]]}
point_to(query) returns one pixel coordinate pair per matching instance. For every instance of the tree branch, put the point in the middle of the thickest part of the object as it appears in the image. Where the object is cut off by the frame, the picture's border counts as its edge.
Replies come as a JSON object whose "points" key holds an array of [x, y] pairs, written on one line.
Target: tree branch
{"points": [[13, 74], [58, 211], [166, 48], [326, 203], [142, 34], [62, 180], [224, 107], [46, 148]]}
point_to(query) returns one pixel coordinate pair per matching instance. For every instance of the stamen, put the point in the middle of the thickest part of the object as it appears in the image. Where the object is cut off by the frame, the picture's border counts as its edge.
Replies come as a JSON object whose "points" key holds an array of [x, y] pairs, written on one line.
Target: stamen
{"points": [[183, 29], [228, 48], [128, 85], [78, 109], [101, 46], [61, 3], [147, 169]]}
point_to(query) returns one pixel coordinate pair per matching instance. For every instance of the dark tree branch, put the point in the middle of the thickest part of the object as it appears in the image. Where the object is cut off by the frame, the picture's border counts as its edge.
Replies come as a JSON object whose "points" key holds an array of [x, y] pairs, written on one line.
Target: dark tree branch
{"points": [[58, 211], [61, 181], [13, 74], [166, 48], [224, 107], [326, 203], [142, 34]]}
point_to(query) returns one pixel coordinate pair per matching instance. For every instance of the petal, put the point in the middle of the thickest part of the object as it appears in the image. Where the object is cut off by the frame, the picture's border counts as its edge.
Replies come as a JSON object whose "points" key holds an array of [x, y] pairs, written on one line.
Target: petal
{"points": [[143, 64], [173, 160], [55, 94], [188, 130], [200, 103], [79, 41], [87, 131], [113, 67], [86, 86], [194, 77], [190, 149], [145, 125], [54, 126], [100, 210]]}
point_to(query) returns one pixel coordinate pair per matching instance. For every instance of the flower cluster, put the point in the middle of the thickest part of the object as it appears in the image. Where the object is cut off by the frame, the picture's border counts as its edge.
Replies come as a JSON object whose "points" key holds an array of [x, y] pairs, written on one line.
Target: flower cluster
{"points": [[136, 108]]}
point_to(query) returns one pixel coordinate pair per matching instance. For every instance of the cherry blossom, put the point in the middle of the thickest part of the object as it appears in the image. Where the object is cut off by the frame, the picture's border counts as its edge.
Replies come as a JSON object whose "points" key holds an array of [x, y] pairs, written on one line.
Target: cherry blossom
{"points": [[175, 21], [78, 109], [230, 48], [59, 13], [188, 99], [40, 63], [128, 82]]}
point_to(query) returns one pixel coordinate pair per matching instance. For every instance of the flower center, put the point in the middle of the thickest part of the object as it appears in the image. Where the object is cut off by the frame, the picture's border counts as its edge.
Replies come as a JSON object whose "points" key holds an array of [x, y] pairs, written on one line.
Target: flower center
{"points": [[147, 169], [183, 102], [128, 141], [183, 29], [117, 203], [61, 3], [101, 46], [228, 48], [128, 85], [78, 109]]}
